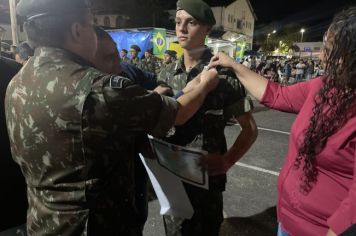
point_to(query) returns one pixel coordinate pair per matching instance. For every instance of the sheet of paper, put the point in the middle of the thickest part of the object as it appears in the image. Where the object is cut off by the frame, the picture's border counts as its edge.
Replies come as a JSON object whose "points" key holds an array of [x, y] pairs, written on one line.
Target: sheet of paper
{"points": [[169, 190]]}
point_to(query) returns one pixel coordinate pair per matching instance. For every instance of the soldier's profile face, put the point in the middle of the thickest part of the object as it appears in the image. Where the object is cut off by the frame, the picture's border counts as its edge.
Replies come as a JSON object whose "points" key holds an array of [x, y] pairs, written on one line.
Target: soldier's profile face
{"points": [[167, 58], [190, 32], [107, 57], [133, 53], [147, 55]]}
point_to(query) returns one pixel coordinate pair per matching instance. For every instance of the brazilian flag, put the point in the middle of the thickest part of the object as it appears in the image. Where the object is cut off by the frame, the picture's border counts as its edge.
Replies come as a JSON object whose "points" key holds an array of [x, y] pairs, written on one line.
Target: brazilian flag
{"points": [[159, 42], [240, 50]]}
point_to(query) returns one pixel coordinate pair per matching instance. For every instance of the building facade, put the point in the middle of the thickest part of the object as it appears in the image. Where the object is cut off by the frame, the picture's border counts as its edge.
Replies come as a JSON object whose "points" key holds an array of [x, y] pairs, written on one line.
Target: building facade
{"points": [[111, 20]]}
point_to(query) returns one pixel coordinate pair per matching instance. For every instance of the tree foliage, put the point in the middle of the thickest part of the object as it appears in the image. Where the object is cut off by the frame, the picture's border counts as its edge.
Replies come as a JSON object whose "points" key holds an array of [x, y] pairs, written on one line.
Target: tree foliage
{"points": [[283, 40]]}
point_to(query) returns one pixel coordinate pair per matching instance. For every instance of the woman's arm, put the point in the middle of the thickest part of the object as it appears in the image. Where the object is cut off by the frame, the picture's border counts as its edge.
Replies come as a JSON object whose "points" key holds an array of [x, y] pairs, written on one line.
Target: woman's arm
{"points": [[273, 95]]}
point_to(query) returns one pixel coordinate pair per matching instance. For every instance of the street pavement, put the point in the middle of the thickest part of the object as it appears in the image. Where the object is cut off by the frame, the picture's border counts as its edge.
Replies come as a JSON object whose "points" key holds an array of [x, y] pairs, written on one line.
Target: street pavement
{"points": [[250, 196]]}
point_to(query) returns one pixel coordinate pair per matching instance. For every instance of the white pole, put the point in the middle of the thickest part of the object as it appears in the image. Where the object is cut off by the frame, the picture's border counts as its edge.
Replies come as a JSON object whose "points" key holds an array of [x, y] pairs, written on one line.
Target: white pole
{"points": [[15, 39]]}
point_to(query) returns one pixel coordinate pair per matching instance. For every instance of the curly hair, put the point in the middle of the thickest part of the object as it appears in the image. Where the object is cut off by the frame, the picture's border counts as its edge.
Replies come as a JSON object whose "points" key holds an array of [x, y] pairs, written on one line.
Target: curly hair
{"points": [[335, 102]]}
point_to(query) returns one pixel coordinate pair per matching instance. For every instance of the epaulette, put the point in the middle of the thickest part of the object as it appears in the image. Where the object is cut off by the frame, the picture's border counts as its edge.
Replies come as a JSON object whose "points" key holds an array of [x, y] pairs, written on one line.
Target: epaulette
{"points": [[117, 81]]}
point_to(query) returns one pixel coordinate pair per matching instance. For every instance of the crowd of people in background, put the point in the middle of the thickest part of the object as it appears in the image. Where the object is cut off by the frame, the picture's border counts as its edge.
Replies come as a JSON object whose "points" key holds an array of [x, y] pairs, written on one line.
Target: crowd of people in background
{"points": [[283, 70]]}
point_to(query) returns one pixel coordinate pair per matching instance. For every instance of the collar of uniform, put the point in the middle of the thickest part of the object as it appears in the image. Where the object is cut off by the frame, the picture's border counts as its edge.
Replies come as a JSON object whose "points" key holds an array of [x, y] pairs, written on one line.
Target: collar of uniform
{"points": [[204, 60], [59, 52]]}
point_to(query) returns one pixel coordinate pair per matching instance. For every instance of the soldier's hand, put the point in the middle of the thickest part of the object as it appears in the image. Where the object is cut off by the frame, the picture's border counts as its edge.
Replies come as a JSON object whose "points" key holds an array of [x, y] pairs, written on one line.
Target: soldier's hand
{"points": [[163, 90], [216, 164], [209, 78]]}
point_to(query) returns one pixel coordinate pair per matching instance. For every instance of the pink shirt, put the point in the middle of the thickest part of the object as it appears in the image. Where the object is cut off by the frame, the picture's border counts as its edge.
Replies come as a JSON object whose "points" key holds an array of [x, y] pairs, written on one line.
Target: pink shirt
{"points": [[332, 201]]}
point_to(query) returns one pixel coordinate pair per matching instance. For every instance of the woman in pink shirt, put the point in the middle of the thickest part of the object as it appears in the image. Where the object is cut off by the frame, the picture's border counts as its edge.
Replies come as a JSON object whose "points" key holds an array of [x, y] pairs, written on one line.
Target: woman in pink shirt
{"points": [[317, 184]]}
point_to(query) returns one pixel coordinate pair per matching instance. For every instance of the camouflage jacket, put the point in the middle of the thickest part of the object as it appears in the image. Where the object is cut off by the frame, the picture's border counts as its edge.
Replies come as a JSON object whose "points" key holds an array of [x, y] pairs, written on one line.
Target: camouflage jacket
{"points": [[135, 62], [150, 65], [72, 130], [126, 59], [205, 130], [165, 66]]}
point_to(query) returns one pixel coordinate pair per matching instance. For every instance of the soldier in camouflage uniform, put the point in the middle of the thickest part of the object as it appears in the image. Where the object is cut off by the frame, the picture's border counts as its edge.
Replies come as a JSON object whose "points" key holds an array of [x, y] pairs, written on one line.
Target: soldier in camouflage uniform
{"points": [[205, 130], [170, 56], [134, 51], [150, 63], [123, 55], [73, 129], [108, 61]]}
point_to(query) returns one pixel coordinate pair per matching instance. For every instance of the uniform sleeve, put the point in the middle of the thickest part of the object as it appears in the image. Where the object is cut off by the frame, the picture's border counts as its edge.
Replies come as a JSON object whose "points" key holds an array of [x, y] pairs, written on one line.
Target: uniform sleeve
{"points": [[236, 102], [135, 110], [344, 218], [145, 79], [287, 98]]}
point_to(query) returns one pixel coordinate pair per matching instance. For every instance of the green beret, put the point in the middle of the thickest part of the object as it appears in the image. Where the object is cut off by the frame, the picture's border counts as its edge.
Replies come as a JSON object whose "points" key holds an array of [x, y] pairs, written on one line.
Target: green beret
{"points": [[37, 8], [199, 9], [135, 47], [171, 53], [150, 50]]}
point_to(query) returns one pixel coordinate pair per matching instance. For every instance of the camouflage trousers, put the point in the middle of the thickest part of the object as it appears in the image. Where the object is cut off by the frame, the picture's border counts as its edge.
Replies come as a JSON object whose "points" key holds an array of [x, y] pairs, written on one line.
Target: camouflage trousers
{"points": [[207, 217]]}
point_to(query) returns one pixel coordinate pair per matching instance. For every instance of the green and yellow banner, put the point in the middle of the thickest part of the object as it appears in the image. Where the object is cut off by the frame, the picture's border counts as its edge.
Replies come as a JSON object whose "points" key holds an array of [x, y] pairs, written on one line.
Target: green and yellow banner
{"points": [[159, 42]]}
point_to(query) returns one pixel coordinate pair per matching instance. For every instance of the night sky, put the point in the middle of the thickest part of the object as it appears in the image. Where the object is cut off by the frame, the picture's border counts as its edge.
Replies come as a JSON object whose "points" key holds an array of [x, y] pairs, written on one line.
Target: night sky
{"points": [[313, 15]]}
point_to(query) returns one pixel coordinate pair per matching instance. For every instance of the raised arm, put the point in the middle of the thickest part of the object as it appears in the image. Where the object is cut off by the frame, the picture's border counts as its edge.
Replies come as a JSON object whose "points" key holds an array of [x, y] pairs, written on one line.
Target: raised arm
{"points": [[136, 110], [192, 99]]}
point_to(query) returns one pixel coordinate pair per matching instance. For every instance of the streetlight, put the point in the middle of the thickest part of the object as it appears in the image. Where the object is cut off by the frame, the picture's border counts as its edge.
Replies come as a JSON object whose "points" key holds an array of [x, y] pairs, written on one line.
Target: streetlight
{"points": [[269, 35], [301, 37]]}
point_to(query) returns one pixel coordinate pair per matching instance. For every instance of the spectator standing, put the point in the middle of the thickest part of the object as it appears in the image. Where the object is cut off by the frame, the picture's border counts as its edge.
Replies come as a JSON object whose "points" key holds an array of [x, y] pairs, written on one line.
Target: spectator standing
{"points": [[300, 67], [317, 184]]}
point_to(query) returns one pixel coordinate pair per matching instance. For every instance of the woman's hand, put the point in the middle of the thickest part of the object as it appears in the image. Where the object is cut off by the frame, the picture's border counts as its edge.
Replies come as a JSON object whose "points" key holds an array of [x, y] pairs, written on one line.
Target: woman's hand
{"points": [[221, 59]]}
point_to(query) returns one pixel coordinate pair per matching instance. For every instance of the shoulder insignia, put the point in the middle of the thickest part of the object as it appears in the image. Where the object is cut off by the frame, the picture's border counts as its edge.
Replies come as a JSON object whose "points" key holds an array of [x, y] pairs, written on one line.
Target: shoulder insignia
{"points": [[117, 81]]}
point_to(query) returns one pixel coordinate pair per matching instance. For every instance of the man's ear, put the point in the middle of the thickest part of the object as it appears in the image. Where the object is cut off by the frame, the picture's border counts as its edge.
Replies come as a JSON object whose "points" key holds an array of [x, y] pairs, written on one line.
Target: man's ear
{"points": [[76, 31]]}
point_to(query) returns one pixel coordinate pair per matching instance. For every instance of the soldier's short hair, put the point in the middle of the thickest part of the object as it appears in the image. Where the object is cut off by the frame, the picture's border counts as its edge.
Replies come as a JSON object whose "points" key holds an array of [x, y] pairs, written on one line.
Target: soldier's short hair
{"points": [[24, 51]]}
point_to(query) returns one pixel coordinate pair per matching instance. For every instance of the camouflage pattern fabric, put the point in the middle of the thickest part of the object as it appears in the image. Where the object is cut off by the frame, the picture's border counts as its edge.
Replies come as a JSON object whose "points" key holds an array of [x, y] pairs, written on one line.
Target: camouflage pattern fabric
{"points": [[126, 59], [72, 130], [205, 130], [150, 65], [165, 66], [135, 62]]}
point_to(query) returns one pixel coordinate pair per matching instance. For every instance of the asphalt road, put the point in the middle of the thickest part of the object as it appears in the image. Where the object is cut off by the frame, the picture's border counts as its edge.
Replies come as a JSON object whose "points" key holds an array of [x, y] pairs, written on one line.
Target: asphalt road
{"points": [[250, 196]]}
